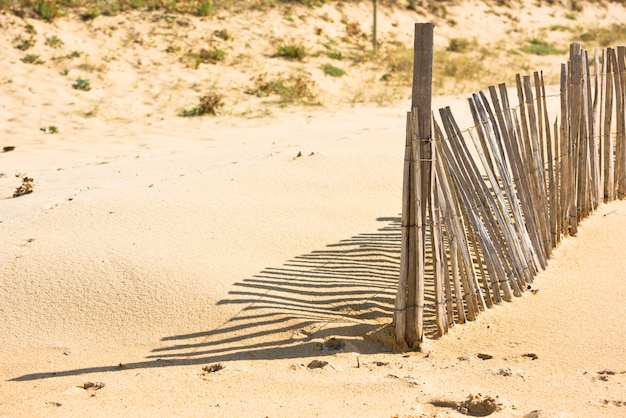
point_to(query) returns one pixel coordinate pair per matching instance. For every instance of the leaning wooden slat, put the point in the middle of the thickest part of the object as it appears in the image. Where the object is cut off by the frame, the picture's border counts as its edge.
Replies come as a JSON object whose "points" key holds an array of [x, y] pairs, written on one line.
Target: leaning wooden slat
{"points": [[508, 231], [471, 181], [617, 88], [466, 270], [564, 146], [601, 68], [475, 223], [557, 176], [437, 246], [537, 164], [591, 144], [467, 239], [503, 162], [500, 208], [447, 277], [574, 111], [557, 180], [467, 281], [609, 143], [516, 222], [456, 231], [527, 177], [469, 290], [492, 288], [583, 149], [585, 196], [401, 295], [591, 197], [454, 239], [487, 208], [484, 202], [540, 129], [482, 126], [520, 179], [449, 261], [573, 97], [442, 219], [496, 271], [529, 169], [415, 309], [449, 298], [620, 140], [596, 159], [552, 188]]}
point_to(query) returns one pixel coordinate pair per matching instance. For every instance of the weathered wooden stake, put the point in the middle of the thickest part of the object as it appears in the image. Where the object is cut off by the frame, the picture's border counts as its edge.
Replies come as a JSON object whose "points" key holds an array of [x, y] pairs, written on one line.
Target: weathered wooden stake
{"points": [[417, 194]]}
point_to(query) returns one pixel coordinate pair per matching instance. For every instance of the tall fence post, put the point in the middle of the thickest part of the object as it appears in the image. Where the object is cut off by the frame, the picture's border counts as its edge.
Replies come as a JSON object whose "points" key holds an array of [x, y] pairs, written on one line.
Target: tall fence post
{"points": [[409, 317]]}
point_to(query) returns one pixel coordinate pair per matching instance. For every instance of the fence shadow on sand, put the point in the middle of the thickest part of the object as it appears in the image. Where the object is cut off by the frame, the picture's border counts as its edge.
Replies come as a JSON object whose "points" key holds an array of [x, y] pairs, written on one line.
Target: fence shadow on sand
{"points": [[346, 291]]}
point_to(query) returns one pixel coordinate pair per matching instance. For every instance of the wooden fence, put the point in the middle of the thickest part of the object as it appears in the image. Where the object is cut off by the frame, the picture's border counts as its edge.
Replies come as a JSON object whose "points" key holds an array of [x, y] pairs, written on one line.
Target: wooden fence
{"points": [[483, 208]]}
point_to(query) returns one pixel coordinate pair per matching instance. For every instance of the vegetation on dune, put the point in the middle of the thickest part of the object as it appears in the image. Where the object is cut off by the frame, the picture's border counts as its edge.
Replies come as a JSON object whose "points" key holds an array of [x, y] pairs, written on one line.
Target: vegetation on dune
{"points": [[384, 68], [50, 10], [81, 84], [209, 105], [333, 71], [291, 51], [32, 59], [604, 36], [291, 89], [539, 46]]}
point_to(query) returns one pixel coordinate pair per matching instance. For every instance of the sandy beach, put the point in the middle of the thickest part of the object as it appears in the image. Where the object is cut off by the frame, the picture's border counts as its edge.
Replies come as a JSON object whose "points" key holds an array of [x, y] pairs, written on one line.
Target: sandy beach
{"points": [[246, 264]]}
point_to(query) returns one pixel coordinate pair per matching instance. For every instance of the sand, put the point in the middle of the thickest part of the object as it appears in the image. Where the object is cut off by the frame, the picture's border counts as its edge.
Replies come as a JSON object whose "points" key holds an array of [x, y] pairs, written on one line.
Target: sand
{"points": [[154, 250]]}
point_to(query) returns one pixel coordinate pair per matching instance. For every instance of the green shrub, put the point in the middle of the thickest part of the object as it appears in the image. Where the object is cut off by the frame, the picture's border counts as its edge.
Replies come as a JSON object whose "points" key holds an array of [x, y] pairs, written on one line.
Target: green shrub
{"points": [[32, 59], [458, 45], [332, 71], [90, 14], [81, 84], [209, 105], [54, 42], [334, 55], [24, 44], [47, 9], [538, 46], [194, 59], [50, 129], [561, 28], [293, 89], [353, 29], [292, 52], [204, 8], [223, 34], [604, 36], [211, 56]]}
